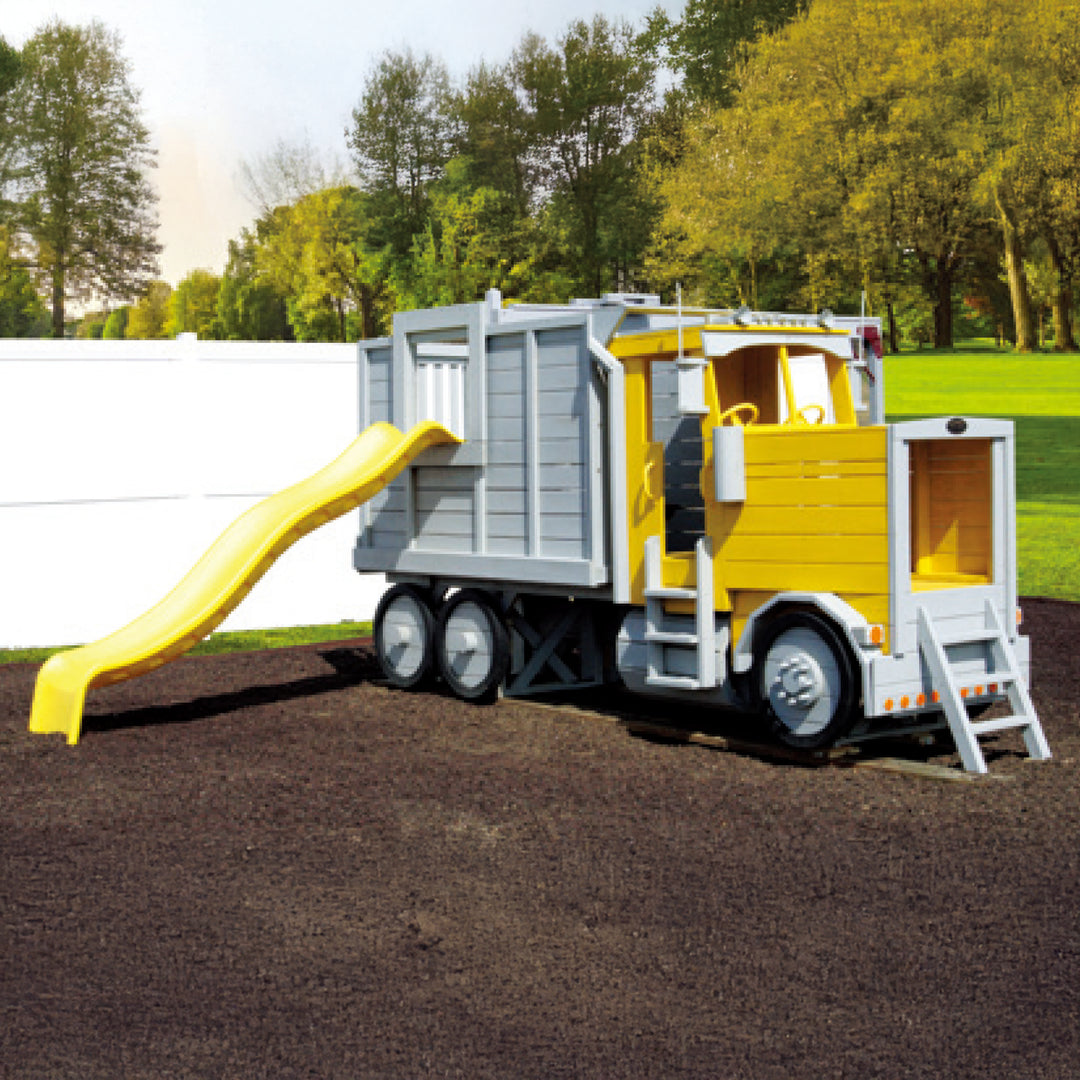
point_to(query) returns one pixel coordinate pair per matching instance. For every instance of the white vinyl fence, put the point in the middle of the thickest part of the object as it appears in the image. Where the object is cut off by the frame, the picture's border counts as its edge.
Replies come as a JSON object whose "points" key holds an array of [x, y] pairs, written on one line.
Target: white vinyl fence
{"points": [[122, 461]]}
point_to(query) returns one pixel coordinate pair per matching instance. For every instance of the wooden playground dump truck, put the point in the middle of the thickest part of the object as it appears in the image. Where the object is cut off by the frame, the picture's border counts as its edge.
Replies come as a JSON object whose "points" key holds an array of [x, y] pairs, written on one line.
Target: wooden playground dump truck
{"points": [[708, 503], [705, 504]]}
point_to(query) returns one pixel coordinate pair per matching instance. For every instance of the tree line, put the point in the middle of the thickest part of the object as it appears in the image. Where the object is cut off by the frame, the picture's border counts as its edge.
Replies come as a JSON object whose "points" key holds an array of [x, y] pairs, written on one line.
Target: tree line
{"points": [[785, 154]]}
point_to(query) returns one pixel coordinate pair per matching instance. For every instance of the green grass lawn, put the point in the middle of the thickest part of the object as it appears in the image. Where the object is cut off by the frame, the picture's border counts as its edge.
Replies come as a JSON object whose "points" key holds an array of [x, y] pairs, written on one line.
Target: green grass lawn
{"points": [[232, 641], [1042, 395]]}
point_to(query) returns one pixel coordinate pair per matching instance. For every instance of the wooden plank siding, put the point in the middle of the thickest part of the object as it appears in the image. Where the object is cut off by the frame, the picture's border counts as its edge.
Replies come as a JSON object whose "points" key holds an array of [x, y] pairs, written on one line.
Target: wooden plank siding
{"points": [[951, 509], [815, 519]]}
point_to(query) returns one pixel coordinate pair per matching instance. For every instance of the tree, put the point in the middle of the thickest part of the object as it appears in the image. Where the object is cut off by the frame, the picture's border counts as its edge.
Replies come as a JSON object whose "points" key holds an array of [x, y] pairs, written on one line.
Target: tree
{"points": [[193, 306], [85, 206], [10, 69], [712, 40], [147, 319], [116, 324], [21, 312], [314, 253], [865, 133], [400, 139], [249, 307], [587, 101]]}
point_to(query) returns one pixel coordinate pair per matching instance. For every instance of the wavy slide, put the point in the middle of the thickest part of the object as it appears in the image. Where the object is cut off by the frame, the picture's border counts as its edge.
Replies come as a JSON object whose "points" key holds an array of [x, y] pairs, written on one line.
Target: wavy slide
{"points": [[225, 574]]}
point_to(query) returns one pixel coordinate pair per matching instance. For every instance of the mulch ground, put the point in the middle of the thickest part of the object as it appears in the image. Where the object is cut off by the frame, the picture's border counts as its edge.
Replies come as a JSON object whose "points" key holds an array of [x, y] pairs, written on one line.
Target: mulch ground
{"points": [[268, 865]]}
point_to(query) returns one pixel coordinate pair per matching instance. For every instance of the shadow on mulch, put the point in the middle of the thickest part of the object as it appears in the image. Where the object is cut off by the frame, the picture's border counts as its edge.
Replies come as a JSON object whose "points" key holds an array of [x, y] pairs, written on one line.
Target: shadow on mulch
{"points": [[349, 667]]}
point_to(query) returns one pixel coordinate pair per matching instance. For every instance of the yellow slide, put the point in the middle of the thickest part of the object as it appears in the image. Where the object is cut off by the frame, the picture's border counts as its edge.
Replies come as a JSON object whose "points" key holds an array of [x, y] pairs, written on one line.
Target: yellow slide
{"points": [[225, 574]]}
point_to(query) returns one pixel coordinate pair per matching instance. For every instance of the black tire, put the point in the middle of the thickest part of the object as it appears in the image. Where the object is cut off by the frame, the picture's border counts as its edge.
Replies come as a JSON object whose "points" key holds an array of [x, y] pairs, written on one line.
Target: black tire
{"points": [[404, 635], [472, 645], [805, 681]]}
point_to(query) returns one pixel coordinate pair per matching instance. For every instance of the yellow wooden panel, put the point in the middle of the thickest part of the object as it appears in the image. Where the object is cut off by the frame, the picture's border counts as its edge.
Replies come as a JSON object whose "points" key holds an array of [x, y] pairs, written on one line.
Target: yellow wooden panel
{"points": [[815, 468], [848, 491], [823, 550], [797, 521], [767, 444], [806, 577]]}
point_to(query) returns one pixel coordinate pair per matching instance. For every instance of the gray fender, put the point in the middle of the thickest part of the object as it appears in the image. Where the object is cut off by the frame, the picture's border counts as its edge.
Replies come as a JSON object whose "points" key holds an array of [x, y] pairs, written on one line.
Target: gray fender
{"points": [[853, 625]]}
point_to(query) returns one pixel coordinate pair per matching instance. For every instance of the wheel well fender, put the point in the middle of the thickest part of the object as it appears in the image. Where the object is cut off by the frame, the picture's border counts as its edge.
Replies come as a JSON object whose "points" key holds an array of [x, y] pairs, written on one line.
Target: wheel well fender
{"points": [[852, 626]]}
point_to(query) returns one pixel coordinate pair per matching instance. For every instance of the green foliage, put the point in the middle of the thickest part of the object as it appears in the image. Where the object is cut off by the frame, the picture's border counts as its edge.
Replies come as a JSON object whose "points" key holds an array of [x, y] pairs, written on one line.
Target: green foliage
{"points": [[711, 41], [116, 324], [400, 139], [884, 142], [148, 318], [193, 306], [91, 326], [250, 308], [22, 313], [314, 254], [587, 99], [83, 203]]}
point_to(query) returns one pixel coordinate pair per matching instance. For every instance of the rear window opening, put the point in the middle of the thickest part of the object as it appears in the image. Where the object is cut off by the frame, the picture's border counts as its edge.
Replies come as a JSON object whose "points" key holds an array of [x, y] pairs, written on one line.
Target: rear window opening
{"points": [[951, 513]]}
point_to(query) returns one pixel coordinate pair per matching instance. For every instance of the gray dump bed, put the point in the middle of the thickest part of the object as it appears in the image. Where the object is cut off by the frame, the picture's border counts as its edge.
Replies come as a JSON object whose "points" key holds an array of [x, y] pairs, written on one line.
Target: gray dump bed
{"points": [[525, 498]]}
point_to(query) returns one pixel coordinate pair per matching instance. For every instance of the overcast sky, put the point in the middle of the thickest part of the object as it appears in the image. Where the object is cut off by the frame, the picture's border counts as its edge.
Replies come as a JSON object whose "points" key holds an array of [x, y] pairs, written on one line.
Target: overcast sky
{"points": [[223, 80]]}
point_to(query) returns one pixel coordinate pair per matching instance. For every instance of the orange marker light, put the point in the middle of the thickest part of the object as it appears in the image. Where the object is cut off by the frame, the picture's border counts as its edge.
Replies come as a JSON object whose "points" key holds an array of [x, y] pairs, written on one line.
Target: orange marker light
{"points": [[888, 704], [877, 635], [920, 700], [935, 697], [905, 701]]}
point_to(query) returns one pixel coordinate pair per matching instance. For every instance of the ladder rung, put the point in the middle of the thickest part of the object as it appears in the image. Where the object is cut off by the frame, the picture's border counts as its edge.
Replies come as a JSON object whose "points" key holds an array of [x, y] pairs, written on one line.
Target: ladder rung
{"points": [[671, 637], [670, 594], [1003, 723], [674, 682], [970, 637]]}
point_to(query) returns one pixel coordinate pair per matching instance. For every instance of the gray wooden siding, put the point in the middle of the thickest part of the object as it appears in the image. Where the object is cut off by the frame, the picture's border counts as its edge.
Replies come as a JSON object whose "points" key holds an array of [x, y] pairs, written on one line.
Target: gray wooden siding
{"points": [[384, 518], [507, 474], [520, 506], [563, 381]]}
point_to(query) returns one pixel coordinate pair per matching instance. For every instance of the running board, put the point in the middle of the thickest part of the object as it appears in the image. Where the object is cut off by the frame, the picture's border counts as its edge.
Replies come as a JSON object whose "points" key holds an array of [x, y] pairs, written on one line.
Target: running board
{"points": [[1005, 671], [660, 635]]}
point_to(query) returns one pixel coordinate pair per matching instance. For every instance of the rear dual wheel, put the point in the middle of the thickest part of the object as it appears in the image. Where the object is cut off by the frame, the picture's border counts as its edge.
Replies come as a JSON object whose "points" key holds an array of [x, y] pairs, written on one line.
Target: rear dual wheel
{"points": [[404, 635], [472, 645], [467, 643]]}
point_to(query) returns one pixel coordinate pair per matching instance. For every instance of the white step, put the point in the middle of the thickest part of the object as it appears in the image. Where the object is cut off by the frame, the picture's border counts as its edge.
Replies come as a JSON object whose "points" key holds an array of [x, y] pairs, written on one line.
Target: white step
{"points": [[671, 637], [664, 593]]}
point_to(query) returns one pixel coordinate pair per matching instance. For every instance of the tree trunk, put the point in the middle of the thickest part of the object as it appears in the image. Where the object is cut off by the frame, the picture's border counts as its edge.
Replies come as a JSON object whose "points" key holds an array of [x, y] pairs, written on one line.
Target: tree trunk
{"points": [[1018, 286], [1061, 305], [943, 336], [57, 303]]}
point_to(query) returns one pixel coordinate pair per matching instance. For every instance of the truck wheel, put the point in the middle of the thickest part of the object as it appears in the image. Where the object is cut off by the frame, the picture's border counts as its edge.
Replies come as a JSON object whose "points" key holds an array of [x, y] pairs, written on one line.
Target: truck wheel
{"points": [[805, 681], [472, 645], [404, 631]]}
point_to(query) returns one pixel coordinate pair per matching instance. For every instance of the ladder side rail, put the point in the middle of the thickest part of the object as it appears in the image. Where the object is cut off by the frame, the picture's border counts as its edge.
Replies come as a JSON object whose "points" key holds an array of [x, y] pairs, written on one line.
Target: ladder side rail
{"points": [[1016, 689], [967, 744]]}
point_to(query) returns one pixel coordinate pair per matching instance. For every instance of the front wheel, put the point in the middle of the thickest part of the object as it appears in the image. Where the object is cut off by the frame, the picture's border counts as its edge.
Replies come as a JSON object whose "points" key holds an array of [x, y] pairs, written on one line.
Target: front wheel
{"points": [[805, 681]]}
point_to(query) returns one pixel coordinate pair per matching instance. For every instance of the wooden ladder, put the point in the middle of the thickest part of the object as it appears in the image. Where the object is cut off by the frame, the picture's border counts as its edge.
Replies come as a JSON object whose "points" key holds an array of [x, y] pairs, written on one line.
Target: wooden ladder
{"points": [[1002, 669], [664, 632]]}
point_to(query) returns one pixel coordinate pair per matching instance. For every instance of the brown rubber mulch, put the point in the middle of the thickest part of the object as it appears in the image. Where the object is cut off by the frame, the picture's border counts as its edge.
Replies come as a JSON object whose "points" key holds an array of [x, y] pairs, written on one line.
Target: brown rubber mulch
{"points": [[268, 865]]}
